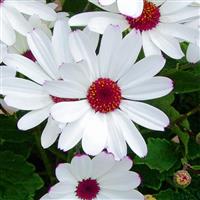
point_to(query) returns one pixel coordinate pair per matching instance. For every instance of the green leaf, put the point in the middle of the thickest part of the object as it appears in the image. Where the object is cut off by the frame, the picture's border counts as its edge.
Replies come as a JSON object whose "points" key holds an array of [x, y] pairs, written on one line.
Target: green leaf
{"points": [[193, 149], [150, 178], [185, 82], [165, 195], [161, 155], [17, 178]]}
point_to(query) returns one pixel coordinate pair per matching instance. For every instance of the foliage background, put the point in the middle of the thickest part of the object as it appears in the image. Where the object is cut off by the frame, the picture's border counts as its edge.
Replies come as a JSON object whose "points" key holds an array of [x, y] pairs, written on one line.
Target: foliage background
{"points": [[27, 170]]}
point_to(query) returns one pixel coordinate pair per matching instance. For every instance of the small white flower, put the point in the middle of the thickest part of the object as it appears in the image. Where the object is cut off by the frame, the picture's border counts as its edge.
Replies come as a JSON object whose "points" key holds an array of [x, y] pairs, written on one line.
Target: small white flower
{"points": [[107, 89], [99, 178], [160, 25], [126, 7], [12, 17]]}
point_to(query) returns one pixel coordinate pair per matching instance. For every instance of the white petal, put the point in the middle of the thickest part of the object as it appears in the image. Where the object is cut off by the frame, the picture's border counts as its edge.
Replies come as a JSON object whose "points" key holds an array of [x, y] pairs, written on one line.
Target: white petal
{"points": [[131, 134], [153, 88], [17, 21], [25, 102], [82, 50], [124, 164], [193, 53], [34, 7], [7, 72], [106, 2], [61, 189], [50, 133], [26, 67], [167, 44], [173, 6], [116, 143], [179, 31], [64, 174], [96, 131], [125, 55], [110, 41], [130, 7], [9, 38], [148, 46], [141, 71], [61, 46], [69, 111], [19, 86], [65, 89], [102, 163], [121, 181], [183, 15], [71, 134], [42, 50], [114, 194], [145, 115], [99, 24], [81, 167], [33, 118], [76, 72]]}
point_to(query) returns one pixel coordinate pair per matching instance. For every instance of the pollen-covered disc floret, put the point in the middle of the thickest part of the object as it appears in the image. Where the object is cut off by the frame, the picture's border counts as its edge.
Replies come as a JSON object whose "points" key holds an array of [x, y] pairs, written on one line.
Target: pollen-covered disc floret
{"points": [[148, 19], [104, 95], [87, 189]]}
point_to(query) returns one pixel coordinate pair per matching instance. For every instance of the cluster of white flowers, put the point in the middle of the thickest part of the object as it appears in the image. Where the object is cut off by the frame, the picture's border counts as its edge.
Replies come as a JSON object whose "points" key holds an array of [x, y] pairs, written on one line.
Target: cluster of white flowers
{"points": [[91, 90]]}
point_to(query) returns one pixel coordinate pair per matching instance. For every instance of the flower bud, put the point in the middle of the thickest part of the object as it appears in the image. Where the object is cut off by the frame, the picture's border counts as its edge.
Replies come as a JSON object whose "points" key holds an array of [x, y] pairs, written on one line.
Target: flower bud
{"points": [[182, 178], [198, 138], [149, 197]]}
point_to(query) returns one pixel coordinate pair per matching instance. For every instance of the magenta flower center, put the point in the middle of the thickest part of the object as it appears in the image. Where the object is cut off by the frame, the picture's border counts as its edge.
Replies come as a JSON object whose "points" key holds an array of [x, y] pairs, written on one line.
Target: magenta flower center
{"points": [[1, 1], [28, 54], [87, 189], [104, 95], [148, 20]]}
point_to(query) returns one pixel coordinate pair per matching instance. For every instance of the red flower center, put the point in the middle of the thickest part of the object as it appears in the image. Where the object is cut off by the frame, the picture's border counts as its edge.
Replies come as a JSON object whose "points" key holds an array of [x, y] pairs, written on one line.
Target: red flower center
{"points": [[28, 54], [1, 1], [149, 18], [87, 189], [104, 95]]}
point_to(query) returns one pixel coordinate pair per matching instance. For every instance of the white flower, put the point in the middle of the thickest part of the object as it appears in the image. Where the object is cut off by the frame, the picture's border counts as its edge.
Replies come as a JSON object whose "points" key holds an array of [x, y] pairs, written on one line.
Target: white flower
{"points": [[107, 89], [126, 7], [159, 25], [12, 18], [99, 178], [29, 94]]}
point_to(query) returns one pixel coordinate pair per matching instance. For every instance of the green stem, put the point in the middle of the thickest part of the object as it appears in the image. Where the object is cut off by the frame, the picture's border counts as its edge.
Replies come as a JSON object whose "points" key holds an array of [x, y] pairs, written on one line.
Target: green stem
{"points": [[86, 7], [44, 157]]}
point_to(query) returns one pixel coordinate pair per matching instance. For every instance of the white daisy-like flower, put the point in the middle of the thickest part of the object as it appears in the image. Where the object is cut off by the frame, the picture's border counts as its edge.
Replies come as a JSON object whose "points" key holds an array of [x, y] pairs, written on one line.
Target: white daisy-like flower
{"points": [[126, 7], [107, 89], [12, 17], [99, 178], [159, 25], [29, 94]]}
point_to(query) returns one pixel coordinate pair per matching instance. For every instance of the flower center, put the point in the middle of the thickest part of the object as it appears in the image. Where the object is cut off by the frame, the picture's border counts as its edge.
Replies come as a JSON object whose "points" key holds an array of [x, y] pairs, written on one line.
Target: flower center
{"points": [[59, 99], [87, 189], [1, 1], [148, 19], [28, 54], [104, 95]]}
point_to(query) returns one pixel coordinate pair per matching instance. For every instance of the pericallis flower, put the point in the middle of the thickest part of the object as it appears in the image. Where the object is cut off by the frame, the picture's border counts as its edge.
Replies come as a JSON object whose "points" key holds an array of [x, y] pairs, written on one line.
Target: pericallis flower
{"points": [[12, 17], [99, 178], [160, 25], [107, 90], [28, 94]]}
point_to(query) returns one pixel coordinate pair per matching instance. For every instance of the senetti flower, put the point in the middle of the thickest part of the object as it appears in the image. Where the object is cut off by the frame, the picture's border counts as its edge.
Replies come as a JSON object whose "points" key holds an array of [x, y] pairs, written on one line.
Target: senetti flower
{"points": [[99, 178], [160, 25], [12, 17], [128, 7], [107, 89], [29, 94]]}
